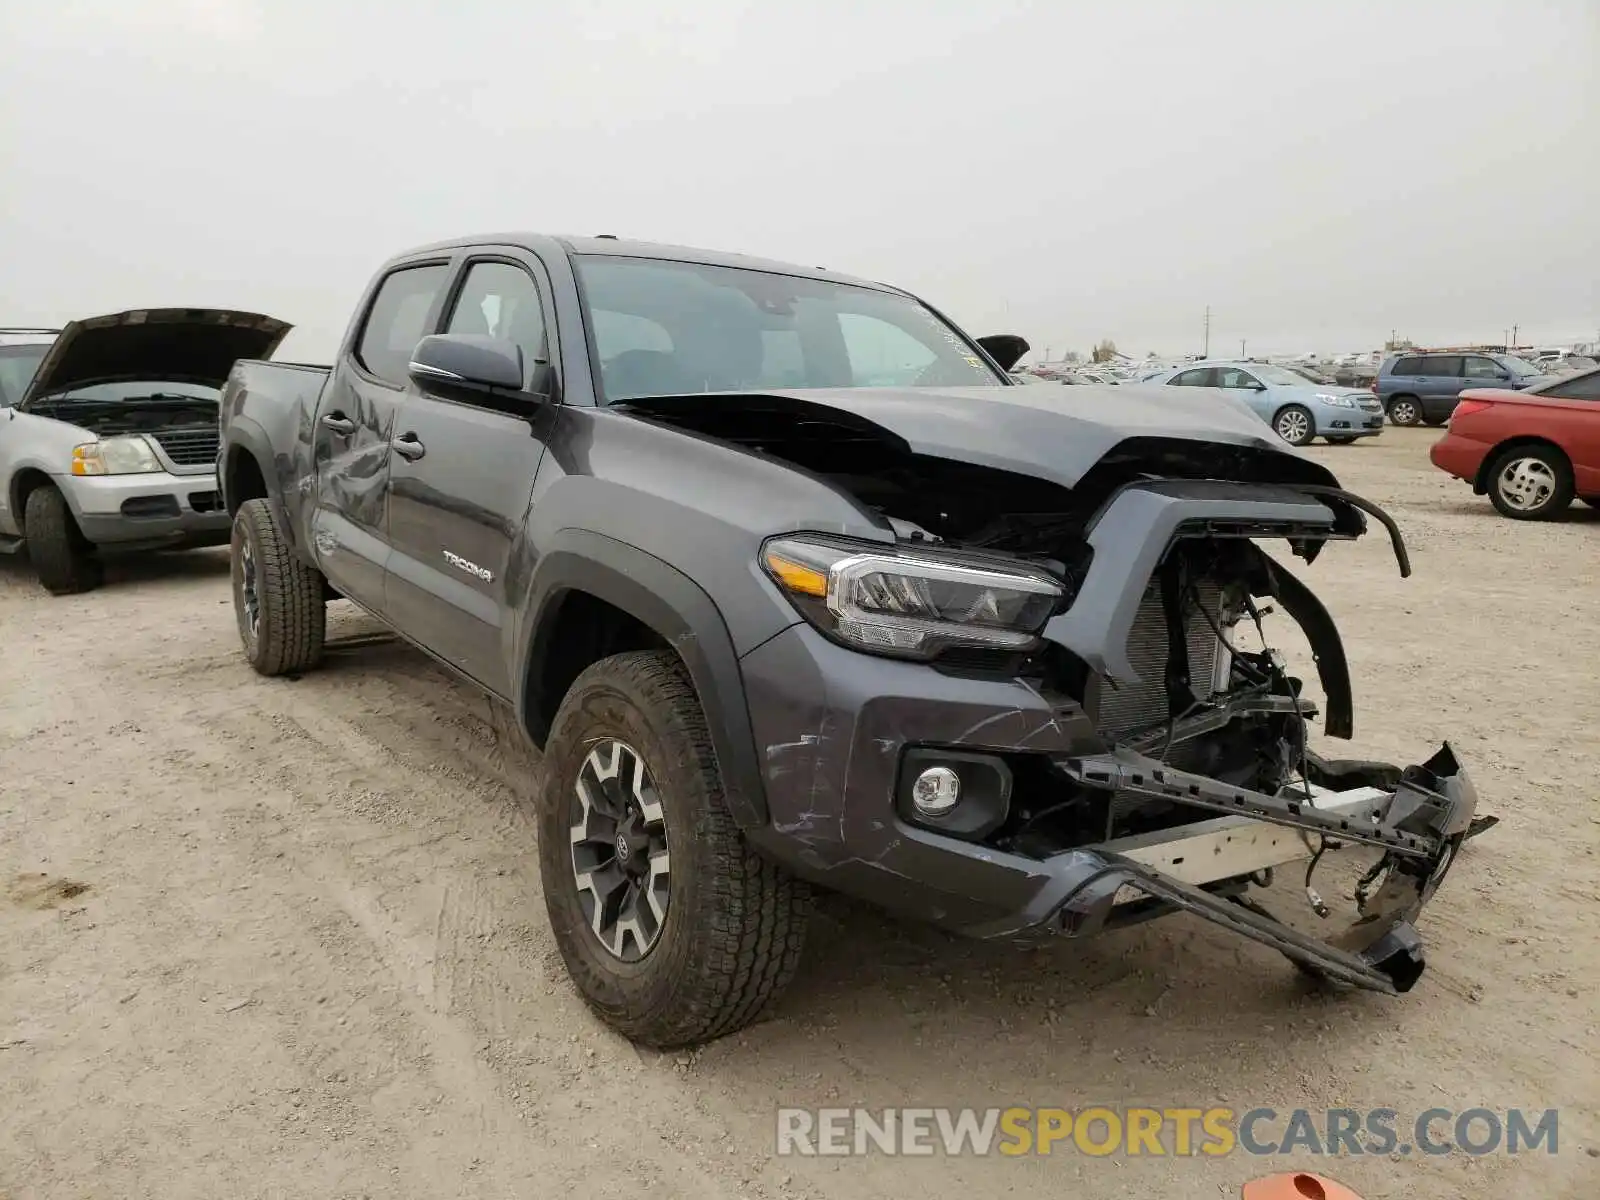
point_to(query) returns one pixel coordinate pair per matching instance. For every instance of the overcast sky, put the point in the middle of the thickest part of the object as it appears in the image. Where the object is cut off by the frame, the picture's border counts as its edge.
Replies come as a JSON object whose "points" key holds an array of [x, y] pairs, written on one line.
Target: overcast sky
{"points": [[1317, 171]]}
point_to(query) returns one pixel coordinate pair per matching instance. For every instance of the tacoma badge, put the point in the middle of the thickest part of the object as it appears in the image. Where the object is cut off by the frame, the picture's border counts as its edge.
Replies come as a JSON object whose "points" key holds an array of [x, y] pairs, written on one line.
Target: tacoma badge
{"points": [[471, 568]]}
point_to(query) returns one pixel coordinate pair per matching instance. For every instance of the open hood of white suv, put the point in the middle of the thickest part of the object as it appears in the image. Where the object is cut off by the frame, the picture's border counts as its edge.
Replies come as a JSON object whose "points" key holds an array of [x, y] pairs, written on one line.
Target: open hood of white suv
{"points": [[180, 345]]}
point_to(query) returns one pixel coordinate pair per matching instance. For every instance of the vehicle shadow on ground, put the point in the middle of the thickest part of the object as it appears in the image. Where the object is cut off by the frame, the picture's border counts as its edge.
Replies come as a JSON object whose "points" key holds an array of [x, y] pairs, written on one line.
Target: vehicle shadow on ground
{"points": [[1578, 514], [132, 570]]}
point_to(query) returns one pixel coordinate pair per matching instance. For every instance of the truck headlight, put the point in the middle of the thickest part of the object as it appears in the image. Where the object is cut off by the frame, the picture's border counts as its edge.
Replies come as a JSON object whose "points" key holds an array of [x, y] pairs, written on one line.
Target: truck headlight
{"points": [[115, 456], [911, 604], [1336, 401]]}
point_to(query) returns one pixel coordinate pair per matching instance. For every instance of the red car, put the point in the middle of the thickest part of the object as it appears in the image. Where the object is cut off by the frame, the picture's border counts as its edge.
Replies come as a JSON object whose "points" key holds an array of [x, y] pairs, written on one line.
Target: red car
{"points": [[1532, 451]]}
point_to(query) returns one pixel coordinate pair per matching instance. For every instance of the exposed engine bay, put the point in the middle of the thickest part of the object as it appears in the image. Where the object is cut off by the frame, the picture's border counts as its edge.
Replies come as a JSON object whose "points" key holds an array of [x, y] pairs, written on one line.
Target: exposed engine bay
{"points": [[141, 414], [1202, 715]]}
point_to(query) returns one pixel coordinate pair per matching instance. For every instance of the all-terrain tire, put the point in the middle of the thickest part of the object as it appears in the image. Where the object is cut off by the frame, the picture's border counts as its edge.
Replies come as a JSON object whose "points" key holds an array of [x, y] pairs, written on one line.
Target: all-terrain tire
{"points": [[286, 630], [734, 923], [62, 557]]}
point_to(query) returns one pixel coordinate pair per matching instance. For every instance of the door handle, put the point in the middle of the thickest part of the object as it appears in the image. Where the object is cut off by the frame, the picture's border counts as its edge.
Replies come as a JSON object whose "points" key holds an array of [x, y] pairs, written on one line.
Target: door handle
{"points": [[339, 423], [408, 447]]}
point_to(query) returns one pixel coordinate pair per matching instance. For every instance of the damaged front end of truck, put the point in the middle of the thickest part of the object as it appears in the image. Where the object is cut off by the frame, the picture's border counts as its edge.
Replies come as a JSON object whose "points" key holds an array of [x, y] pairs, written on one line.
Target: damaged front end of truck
{"points": [[1145, 749]]}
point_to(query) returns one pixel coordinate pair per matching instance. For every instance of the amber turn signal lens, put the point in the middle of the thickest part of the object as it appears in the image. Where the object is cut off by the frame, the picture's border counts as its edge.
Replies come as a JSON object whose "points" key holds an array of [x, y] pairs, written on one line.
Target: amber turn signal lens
{"points": [[798, 578]]}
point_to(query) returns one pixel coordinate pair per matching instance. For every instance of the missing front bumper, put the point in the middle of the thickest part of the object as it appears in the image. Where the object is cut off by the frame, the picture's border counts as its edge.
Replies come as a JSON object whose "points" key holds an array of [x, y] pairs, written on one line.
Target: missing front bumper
{"points": [[1418, 823]]}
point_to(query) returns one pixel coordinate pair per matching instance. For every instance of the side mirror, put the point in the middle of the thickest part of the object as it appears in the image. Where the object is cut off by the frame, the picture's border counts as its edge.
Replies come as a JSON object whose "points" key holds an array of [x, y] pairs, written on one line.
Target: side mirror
{"points": [[468, 361], [1006, 349]]}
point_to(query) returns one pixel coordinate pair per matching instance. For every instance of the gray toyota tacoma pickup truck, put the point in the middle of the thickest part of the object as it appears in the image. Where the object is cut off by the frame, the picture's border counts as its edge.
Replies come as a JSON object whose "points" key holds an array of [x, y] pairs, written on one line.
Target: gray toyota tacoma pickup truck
{"points": [[794, 587]]}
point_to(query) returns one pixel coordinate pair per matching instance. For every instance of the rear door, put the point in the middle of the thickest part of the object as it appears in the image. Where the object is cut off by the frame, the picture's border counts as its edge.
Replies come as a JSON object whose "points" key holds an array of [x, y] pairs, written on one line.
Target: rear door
{"points": [[355, 426], [1440, 382], [462, 478]]}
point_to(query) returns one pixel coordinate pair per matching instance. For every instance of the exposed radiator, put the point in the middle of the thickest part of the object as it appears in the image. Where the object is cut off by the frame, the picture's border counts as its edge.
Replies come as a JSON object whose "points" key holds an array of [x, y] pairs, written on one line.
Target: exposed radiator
{"points": [[1126, 707]]}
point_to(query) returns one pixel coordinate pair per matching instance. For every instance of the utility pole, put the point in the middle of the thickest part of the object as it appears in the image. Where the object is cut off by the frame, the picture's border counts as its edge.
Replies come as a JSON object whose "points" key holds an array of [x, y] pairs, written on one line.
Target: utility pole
{"points": [[1241, 347], [1206, 349], [1513, 345]]}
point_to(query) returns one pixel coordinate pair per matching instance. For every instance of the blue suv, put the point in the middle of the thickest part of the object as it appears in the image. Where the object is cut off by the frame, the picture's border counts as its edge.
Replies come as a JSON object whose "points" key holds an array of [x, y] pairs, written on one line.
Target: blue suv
{"points": [[1417, 386]]}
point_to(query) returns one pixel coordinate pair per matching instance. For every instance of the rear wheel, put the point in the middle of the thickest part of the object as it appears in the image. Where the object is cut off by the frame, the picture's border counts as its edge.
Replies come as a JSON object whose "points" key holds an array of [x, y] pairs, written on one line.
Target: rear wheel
{"points": [[673, 929], [1405, 410], [277, 599], [1531, 483], [62, 557], [1294, 425]]}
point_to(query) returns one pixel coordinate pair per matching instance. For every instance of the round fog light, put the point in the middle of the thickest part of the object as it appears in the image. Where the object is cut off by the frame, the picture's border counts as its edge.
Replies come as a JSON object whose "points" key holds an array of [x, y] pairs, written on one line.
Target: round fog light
{"points": [[936, 791]]}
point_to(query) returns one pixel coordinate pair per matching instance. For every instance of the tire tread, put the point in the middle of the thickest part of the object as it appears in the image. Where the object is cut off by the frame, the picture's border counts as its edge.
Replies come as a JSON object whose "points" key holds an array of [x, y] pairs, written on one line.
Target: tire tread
{"points": [[294, 613], [750, 929], [61, 556]]}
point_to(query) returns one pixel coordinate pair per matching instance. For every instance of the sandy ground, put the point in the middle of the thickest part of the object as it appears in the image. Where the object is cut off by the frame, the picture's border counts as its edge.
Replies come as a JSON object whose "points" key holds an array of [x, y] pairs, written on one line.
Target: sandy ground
{"points": [[271, 938]]}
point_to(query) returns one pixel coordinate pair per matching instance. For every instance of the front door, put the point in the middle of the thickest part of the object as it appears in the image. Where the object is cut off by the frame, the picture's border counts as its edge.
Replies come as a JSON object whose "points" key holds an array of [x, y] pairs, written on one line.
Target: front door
{"points": [[461, 482], [1245, 387], [354, 426]]}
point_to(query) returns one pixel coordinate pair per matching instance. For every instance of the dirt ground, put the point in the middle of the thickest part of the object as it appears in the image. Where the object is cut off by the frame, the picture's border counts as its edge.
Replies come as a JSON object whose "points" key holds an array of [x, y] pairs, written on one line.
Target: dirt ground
{"points": [[281, 939]]}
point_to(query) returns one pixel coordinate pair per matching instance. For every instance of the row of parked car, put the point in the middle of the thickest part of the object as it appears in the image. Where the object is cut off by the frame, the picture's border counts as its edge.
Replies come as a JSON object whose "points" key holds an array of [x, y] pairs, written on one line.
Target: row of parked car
{"points": [[1525, 434]]}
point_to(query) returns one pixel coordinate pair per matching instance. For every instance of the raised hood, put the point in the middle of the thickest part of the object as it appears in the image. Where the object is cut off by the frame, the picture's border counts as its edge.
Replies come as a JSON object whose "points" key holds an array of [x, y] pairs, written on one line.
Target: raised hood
{"points": [[181, 345], [1054, 434]]}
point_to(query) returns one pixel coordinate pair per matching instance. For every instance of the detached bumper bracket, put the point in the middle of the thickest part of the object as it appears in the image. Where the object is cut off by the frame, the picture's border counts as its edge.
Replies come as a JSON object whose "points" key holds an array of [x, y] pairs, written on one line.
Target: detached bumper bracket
{"points": [[1392, 960]]}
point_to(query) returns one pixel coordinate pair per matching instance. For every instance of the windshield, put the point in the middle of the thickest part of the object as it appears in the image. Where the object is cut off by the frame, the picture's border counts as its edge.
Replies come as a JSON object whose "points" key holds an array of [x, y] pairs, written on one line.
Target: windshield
{"points": [[666, 328], [1519, 366], [1282, 376], [145, 389], [17, 366]]}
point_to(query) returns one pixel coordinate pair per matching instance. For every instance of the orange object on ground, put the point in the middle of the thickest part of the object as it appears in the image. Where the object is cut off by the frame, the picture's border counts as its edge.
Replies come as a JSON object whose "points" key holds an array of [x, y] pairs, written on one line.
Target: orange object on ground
{"points": [[1297, 1185]]}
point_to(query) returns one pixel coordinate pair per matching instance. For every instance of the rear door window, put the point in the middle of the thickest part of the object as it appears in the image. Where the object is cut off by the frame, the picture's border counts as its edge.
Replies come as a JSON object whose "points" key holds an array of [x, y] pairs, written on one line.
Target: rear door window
{"points": [[17, 367], [399, 319], [1446, 366], [1197, 377]]}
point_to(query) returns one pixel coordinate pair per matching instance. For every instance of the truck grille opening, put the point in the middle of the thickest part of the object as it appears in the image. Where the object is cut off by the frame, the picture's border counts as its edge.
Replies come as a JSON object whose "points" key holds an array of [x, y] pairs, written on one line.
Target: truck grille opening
{"points": [[1129, 707], [189, 447]]}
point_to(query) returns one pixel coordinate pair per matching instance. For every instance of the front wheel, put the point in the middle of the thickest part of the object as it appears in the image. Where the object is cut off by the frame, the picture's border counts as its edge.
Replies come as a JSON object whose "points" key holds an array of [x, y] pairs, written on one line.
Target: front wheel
{"points": [[1295, 425], [277, 599], [674, 931], [1404, 410], [1531, 483], [62, 557]]}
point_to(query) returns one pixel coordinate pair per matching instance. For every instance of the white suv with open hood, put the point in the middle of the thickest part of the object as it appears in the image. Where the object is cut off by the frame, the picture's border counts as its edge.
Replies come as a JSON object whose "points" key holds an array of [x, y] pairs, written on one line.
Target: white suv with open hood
{"points": [[108, 435]]}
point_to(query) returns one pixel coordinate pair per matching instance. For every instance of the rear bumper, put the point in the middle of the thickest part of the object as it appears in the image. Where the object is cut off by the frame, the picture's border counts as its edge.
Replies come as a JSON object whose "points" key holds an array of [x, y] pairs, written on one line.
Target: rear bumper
{"points": [[156, 510], [1458, 456]]}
